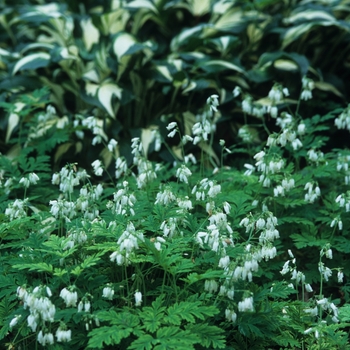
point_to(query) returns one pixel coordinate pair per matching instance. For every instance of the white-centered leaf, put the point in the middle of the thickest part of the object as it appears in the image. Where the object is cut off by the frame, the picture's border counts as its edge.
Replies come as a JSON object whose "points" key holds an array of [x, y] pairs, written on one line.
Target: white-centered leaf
{"points": [[224, 64], [310, 15], [142, 4], [90, 33], [13, 120], [164, 71], [122, 44], [33, 61], [105, 94], [287, 65]]}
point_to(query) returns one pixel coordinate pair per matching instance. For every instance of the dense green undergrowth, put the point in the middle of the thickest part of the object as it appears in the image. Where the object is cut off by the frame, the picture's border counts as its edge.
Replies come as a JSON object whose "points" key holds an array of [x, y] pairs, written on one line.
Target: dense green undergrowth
{"points": [[174, 175]]}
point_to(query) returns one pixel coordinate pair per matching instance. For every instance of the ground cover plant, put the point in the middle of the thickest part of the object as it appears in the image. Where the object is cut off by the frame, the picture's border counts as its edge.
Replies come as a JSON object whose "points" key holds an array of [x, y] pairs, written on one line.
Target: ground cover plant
{"points": [[179, 186]]}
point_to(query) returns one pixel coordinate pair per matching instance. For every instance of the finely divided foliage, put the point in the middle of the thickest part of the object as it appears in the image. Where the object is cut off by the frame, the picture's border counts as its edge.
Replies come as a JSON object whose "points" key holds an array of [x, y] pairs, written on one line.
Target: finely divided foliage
{"points": [[175, 235]]}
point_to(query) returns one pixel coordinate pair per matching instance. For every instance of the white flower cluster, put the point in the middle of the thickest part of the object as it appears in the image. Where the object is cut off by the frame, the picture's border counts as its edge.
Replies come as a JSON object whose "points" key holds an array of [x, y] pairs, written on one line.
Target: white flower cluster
{"points": [[245, 134], [75, 237], [169, 227], [87, 201], [41, 310], [108, 292], [127, 242], [183, 173], [63, 208], [95, 126], [343, 120], [97, 167], [68, 178], [315, 156], [307, 86], [32, 179], [17, 209], [202, 128], [230, 315], [343, 201], [313, 192], [213, 102], [286, 186], [121, 167], [146, 173], [343, 165], [218, 235], [165, 197], [69, 296], [267, 167], [206, 188], [246, 304], [123, 201]]}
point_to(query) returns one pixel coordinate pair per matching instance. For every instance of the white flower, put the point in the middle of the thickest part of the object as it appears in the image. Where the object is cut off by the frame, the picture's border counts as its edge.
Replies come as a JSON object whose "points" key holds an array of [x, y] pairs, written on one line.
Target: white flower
{"points": [[108, 293], [340, 277], [171, 126], [63, 335], [183, 173], [112, 145], [236, 91], [70, 298], [138, 298], [210, 286], [14, 321], [97, 167], [213, 102], [33, 178], [246, 305], [46, 338], [308, 288], [224, 262]]}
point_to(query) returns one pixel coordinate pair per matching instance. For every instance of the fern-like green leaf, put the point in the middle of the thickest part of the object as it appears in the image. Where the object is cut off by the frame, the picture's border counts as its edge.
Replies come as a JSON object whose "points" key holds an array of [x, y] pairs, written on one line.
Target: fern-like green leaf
{"points": [[152, 316], [175, 338], [38, 267], [107, 336], [209, 336], [142, 343]]}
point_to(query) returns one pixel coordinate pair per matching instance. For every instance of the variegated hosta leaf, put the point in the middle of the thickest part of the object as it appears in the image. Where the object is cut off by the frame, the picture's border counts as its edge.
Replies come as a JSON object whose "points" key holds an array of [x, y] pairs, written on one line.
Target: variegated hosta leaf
{"points": [[32, 61], [13, 120], [182, 39], [105, 94], [220, 65], [139, 4], [115, 21], [125, 44], [197, 8], [287, 65], [41, 12], [90, 33]]}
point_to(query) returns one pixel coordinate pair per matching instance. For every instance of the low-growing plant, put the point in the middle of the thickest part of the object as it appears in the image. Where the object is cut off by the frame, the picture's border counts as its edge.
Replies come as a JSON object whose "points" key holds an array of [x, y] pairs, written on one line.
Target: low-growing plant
{"points": [[197, 255]]}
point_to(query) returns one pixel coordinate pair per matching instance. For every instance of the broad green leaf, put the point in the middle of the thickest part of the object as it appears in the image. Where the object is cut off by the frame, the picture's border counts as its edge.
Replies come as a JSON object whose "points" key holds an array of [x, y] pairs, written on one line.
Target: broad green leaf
{"points": [[13, 120], [324, 86], [165, 72], [49, 10], [185, 35], [105, 94], [310, 15], [287, 65], [219, 65], [99, 337], [138, 4], [90, 33], [123, 44], [38, 267], [33, 61]]}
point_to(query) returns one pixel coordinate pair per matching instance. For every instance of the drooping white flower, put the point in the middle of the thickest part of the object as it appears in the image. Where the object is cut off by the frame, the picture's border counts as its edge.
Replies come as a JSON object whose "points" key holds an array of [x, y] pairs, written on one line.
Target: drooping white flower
{"points": [[138, 298]]}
